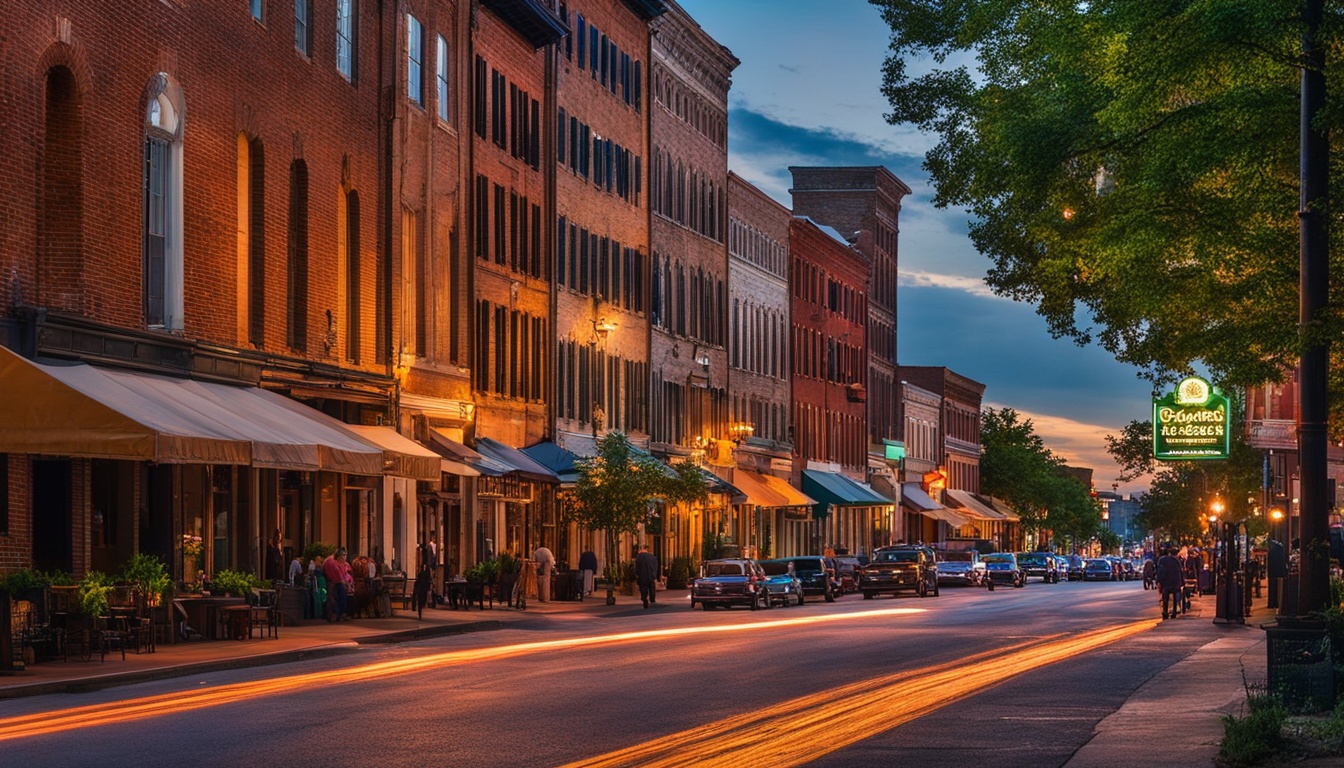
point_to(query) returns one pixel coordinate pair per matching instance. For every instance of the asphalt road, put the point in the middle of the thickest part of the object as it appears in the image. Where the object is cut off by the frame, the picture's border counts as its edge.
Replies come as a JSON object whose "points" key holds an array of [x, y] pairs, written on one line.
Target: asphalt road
{"points": [[968, 678]]}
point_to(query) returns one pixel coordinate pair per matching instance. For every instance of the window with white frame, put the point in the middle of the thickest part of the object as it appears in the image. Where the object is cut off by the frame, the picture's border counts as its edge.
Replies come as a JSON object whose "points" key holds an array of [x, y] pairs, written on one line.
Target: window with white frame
{"points": [[441, 75], [414, 60], [345, 38], [162, 221]]}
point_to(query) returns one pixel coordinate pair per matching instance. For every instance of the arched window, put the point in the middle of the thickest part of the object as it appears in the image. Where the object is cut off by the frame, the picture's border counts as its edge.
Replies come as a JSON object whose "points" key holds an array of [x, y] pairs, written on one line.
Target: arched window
{"points": [[162, 222]]}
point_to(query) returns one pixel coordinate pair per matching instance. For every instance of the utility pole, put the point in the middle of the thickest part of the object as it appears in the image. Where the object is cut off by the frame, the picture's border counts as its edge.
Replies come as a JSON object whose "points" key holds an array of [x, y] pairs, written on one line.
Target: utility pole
{"points": [[1313, 278]]}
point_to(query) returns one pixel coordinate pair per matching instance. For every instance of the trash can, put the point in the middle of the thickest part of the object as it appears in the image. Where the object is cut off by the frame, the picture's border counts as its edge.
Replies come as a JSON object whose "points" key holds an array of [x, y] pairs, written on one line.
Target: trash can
{"points": [[1300, 668]]}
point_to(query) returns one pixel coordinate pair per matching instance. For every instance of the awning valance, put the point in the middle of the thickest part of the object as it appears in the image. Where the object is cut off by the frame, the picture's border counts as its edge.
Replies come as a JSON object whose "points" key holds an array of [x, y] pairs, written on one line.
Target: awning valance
{"points": [[913, 496], [518, 462], [81, 410], [458, 459], [402, 456], [970, 506], [1001, 507]]}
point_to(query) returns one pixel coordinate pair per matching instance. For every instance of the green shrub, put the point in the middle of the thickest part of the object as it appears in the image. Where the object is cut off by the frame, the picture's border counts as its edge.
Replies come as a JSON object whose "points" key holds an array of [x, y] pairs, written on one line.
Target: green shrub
{"points": [[22, 580], [1249, 740], [148, 575], [92, 594], [234, 583], [318, 549], [680, 571]]}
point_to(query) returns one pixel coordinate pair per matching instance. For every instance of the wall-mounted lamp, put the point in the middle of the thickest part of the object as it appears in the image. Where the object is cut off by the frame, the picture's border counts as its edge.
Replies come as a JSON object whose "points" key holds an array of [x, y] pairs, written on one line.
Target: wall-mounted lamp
{"points": [[603, 327]]}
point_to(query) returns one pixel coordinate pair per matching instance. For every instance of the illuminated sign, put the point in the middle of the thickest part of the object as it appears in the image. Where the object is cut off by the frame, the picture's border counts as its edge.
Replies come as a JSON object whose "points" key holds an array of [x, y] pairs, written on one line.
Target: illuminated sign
{"points": [[1191, 423]]}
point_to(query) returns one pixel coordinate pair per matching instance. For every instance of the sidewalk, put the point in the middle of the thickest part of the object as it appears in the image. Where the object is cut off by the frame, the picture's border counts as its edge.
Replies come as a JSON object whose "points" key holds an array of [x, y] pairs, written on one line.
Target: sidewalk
{"points": [[308, 640], [1177, 714]]}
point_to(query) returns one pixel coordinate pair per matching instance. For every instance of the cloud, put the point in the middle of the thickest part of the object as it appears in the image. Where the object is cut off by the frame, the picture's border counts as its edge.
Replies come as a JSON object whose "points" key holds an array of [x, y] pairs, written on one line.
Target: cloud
{"points": [[1079, 444], [971, 285]]}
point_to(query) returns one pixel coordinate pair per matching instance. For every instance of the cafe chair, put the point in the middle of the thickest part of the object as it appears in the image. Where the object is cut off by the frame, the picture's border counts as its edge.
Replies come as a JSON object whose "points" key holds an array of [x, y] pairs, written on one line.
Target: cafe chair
{"points": [[265, 613]]}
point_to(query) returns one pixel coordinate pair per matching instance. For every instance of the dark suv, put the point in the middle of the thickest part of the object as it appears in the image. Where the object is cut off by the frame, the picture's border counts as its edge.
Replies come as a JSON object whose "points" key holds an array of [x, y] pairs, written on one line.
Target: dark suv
{"points": [[899, 569], [1039, 565], [817, 574]]}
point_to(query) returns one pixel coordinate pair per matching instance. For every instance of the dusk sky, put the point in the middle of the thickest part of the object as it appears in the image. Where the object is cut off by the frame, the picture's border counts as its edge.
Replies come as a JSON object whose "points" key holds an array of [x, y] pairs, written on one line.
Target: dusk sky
{"points": [[808, 92]]}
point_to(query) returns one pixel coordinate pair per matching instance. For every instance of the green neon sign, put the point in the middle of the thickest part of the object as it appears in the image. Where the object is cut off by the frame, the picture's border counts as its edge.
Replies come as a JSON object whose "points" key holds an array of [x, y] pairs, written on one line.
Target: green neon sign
{"points": [[1191, 423]]}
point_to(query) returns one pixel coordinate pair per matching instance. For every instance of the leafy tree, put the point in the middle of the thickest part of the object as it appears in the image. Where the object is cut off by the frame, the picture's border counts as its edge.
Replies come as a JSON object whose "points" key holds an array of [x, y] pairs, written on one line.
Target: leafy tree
{"points": [[1016, 466], [1131, 167], [616, 488]]}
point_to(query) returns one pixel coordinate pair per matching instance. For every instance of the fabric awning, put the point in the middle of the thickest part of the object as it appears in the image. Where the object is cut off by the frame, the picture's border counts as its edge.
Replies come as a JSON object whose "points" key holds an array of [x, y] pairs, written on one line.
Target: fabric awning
{"points": [[560, 461], [972, 507], [762, 493], [402, 456], [834, 489], [1001, 507], [75, 409], [913, 496], [720, 486], [458, 459], [518, 462]]}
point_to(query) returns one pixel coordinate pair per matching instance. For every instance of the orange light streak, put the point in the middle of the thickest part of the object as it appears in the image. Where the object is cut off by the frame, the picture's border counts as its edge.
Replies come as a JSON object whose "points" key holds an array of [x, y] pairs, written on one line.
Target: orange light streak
{"points": [[44, 723], [808, 728]]}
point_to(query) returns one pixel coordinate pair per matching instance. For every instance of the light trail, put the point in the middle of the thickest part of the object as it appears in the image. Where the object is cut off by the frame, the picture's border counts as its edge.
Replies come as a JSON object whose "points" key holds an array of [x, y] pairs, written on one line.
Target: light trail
{"points": [[56, 721], [808, 728]]}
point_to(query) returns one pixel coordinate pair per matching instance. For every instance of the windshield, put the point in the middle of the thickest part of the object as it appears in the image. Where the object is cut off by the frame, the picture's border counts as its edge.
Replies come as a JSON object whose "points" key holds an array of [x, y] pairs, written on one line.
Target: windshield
{"points": [[723, 569], [958, 557], [775, 569], [807, 565], [1000, 558], [897, 556], [1099, 565], [1031, 559]]}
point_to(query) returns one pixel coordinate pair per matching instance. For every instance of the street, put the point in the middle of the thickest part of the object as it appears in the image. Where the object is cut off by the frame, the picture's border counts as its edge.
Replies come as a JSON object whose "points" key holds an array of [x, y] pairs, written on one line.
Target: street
{"points": [[935, 682]]}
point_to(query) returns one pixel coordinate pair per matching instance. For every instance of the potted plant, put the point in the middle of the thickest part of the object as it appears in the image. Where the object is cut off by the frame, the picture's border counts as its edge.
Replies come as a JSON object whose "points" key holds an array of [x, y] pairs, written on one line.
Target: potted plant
{"points": [[91, 596], [680, 571], [192, 553], [149, 578], [235, 583]]}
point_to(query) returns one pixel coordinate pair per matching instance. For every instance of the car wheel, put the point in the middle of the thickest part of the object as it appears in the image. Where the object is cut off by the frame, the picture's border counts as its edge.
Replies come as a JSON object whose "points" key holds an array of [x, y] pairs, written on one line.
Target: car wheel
{"points": [[935, 589], [867, 595], [800, 597], [922, 589], [692, 604], [1021, 582], [830, 595], [991, 584]]}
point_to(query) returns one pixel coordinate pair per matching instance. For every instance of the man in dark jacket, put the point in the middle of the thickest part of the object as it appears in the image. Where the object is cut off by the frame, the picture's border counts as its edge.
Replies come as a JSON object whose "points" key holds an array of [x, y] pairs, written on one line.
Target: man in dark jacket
{"points": [[646, 573], [1171, 581]]}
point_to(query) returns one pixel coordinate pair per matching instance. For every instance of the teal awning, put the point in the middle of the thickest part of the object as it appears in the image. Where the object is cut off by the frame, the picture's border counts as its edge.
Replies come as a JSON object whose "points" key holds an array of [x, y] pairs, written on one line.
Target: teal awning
{"points": [[834, 489], [556, 459]]}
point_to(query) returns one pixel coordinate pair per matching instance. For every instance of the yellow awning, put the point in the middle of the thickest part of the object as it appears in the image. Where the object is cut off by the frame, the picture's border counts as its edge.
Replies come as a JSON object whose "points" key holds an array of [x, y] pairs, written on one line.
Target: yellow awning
{"points": [[762, 492], [402, 456], [972, 507]]}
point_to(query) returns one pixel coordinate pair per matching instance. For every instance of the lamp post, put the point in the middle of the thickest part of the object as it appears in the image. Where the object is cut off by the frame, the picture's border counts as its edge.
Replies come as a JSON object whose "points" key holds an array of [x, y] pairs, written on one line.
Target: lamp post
{"points": [[1276, 560]]}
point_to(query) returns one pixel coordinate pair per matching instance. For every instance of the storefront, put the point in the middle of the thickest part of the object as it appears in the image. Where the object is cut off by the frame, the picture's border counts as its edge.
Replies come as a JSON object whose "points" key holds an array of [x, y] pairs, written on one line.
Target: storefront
{"points": [[849, 515]]}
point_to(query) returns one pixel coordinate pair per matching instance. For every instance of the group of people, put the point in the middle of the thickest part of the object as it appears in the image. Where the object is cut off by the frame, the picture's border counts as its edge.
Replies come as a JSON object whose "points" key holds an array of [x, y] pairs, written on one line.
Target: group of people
{"points": [[1171, 572]]}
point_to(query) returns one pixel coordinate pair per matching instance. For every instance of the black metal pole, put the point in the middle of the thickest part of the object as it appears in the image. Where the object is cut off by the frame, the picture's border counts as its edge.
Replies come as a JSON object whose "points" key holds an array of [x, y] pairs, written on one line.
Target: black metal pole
{"points": [[1313, 278]]}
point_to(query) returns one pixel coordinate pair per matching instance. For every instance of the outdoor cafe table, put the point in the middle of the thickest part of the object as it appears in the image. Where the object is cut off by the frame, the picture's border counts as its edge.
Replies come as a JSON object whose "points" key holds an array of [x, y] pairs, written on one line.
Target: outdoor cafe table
{"points": [[203, 613]]}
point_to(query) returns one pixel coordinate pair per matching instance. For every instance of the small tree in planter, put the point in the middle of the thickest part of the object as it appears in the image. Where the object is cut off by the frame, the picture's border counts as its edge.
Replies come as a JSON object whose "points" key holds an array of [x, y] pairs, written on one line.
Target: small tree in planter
{"points": [[615, 489], [91, 596]]}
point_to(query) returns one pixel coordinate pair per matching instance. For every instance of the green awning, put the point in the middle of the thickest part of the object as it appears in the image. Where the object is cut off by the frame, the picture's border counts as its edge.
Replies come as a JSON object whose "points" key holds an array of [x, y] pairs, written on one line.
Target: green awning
{"points": [[834, 489]]}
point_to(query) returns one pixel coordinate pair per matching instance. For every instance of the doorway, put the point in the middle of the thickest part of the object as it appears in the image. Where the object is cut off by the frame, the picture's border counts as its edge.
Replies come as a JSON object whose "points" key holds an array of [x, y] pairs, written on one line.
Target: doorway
{"points": [[52, 529]]}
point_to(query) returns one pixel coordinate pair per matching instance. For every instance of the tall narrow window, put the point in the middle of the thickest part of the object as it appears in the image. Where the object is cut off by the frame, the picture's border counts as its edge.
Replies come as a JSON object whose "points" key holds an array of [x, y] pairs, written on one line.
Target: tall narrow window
{"points": [[352, 276], [414, 61], [345, 38], [441, 75], [162, 221], [302, 28], [296, 282], [256, 243], [61, 269], [256, 8]]}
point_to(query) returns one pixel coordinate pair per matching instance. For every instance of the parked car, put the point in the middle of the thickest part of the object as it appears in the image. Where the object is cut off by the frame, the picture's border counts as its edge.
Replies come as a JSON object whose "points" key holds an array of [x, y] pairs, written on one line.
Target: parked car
{"points": [[900, 569], [959, 566], [1063, 568], [1075, 567], [1040, 565], [1097, 569], [817, 574], [728, 582], [1002, 568], [1127, 570], [847, 573], [781, 584]]}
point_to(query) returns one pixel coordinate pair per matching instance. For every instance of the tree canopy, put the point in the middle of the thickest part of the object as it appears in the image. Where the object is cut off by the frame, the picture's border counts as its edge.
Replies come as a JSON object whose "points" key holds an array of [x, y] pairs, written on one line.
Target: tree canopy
{"points": [[1016, 466], [1131, 167]]}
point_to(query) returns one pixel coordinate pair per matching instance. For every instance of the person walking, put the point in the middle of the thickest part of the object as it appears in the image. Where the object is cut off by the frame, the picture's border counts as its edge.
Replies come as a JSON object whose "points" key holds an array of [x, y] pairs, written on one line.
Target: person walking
{"points": [[588, 570], [545, 565], [646, 573], [1170, 581], [275, 557]]}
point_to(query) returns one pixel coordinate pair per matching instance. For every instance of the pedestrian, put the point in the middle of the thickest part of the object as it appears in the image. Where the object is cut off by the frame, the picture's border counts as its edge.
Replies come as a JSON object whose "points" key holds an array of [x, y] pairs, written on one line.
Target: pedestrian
{"points": [[588, 570], [1170, 581], [646, 573], [275, 557], [296, 572], [421, 595], [545, 565], [337, 572]]}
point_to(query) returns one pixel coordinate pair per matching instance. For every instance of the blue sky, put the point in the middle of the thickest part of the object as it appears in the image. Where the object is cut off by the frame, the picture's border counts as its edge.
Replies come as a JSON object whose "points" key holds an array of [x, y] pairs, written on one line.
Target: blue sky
{"points": [[808, 93]]}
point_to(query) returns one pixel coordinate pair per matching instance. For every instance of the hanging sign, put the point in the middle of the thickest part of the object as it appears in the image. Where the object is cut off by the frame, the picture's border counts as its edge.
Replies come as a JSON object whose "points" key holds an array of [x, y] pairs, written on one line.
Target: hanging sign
{"points": [[1191, 423]]}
